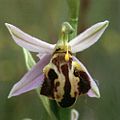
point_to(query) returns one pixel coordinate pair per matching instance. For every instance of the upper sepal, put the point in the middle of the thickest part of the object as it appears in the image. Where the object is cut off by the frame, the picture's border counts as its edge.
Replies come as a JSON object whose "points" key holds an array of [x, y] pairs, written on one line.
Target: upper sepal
{"points": [[30, 43], [88, 37]]}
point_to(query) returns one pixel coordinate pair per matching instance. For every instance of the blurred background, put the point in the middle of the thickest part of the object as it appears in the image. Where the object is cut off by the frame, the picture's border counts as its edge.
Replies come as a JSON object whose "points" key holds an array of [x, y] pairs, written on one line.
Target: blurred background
{"points": [[42, 19]]}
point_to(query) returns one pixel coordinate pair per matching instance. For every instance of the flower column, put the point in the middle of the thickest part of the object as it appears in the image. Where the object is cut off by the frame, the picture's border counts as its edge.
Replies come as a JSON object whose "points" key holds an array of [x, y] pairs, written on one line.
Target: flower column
{"points": [[73, 11]]}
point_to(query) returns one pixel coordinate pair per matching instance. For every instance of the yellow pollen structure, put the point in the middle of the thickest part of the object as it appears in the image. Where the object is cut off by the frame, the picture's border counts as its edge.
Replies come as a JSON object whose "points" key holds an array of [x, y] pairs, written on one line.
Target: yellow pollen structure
{"points": [[67, 55]]}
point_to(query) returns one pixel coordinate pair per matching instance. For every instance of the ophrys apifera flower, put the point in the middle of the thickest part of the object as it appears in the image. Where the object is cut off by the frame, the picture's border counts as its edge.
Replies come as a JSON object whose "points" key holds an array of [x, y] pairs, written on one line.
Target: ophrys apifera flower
{"points": [[59, 73]]}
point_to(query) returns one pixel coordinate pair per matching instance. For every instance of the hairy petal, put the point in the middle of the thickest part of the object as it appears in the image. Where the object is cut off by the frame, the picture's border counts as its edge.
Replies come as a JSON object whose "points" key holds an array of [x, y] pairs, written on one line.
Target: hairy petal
{"points": [[94, 91], [88, 37], [26, 41], [32, 79]]}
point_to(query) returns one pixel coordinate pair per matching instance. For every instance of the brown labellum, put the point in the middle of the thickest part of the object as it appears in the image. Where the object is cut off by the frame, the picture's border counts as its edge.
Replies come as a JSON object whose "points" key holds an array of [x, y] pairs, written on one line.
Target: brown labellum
{"points": [[63, 81]]}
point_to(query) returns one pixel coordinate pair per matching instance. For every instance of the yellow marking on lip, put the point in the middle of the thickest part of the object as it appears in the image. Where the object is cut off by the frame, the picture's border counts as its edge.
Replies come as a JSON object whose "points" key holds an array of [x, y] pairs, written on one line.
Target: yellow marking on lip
{"points": [[67, 55], [60, 89], [77, 65], [74, 82]]}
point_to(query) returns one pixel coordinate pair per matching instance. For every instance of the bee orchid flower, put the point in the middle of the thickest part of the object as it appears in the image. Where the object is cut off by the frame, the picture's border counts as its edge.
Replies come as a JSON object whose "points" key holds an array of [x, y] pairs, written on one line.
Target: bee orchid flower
{"points": [[59, 73]]}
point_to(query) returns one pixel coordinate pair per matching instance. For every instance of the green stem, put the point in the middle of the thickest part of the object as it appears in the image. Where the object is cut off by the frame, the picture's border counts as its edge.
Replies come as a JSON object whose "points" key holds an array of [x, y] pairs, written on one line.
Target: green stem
{"points": [[47, 105], [55, 108], [73, 5], [60, 113]]}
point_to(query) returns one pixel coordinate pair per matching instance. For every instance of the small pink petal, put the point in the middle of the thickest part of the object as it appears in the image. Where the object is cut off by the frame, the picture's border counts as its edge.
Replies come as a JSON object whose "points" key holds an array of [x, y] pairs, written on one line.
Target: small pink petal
{"points": [[94, 91], [32, 79], [91, 93]]}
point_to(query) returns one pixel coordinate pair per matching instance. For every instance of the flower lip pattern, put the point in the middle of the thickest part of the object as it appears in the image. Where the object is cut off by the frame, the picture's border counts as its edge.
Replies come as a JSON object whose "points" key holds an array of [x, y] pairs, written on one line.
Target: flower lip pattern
{"points": [[34, 77]]}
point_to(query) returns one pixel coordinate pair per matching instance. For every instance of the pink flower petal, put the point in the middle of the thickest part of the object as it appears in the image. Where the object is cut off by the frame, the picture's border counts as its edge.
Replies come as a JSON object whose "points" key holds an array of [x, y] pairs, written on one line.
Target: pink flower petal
{"points": [[32, 79], [88, 37], [94, 91], [30, 43]]}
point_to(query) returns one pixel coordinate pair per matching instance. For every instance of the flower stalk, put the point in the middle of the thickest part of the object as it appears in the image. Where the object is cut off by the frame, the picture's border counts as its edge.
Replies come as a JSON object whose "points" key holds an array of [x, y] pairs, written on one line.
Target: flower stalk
{"points": [[73, 6]]}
